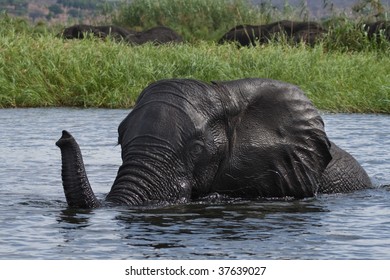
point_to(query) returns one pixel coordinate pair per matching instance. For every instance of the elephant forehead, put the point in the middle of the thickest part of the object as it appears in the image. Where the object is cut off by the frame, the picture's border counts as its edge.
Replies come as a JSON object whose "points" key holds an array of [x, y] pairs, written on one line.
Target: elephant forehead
{"points": [[195, 98], [157, 120]]}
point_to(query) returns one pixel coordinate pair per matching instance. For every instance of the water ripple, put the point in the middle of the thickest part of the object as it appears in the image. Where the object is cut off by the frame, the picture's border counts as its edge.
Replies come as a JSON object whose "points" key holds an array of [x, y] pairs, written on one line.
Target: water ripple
{"points": [[36, 223]]}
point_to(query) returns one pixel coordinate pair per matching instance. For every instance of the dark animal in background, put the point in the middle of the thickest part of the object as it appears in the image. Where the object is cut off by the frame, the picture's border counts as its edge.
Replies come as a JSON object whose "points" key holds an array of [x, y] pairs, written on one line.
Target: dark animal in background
{"points": [[249, 138], [81, 30], [156, 35], [375, 29], [251, 35]]}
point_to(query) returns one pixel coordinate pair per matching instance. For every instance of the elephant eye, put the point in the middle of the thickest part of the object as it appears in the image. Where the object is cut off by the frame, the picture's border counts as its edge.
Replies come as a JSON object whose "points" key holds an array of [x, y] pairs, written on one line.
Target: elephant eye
{"points": [[196, 149]]}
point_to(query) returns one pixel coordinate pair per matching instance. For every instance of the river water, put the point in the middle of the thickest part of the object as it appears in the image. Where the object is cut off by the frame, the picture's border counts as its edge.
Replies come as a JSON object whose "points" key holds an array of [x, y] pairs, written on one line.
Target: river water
{"points": [[35, 222]]}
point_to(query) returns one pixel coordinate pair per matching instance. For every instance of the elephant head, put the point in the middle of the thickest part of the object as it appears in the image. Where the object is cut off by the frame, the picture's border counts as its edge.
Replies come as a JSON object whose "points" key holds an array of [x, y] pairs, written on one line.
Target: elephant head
{"points": [[185, 139]]}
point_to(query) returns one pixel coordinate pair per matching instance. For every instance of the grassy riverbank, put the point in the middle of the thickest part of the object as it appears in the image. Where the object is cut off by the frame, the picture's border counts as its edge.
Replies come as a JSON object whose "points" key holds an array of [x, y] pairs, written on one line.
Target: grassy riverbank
{"points": [[37, 69]]}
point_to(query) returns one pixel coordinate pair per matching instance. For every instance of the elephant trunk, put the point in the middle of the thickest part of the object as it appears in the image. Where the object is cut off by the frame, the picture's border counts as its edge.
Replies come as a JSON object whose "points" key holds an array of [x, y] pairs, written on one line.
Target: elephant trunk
{"points": [[78, 191], [145, 178]]}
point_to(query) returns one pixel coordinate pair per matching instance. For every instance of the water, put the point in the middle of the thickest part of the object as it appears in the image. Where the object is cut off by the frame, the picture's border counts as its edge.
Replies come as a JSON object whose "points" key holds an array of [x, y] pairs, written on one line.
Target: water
{"points": [[36, 224]]}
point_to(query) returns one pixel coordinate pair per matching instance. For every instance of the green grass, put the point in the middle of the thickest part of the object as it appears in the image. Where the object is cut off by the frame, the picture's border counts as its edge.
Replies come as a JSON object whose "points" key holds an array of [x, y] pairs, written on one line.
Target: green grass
{"points": [[210, 19], [37, 69], [47, 71], [195, 19]]}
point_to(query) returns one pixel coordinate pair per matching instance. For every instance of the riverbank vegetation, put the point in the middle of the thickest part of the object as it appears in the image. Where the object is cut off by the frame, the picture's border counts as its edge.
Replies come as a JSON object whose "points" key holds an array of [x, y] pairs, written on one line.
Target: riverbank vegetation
{"points": [[345, 72]]}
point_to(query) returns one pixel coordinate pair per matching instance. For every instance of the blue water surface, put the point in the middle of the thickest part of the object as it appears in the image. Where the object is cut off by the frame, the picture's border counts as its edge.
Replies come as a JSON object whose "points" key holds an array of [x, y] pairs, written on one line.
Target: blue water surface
{"points": [[35, 222]]}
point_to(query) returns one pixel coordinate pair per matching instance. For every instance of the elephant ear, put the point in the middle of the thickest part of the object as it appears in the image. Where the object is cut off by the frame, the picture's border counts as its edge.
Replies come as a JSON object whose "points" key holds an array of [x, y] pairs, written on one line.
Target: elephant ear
{"points": [[278, 144]]}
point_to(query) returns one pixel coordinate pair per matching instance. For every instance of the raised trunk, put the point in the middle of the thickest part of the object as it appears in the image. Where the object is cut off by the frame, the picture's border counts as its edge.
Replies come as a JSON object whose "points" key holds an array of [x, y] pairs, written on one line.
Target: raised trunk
{"points": [[78, 191]]}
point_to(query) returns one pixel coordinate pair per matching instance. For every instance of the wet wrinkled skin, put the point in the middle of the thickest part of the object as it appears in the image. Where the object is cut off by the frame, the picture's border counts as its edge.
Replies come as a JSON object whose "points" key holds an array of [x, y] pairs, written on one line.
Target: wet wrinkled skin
{"points": [[186, 139]]}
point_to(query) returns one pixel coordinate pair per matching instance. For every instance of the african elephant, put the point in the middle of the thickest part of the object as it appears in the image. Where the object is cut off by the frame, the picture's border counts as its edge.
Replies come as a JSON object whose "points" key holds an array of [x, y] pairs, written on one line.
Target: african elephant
{"points": [[186, 139], [376, 29], [251, 35], [157, 35], [78, 31]]}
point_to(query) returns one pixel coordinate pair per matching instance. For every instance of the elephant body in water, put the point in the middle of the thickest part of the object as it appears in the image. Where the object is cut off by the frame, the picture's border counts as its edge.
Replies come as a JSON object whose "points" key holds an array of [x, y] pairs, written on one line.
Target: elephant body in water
{"points": [[249, 138]]}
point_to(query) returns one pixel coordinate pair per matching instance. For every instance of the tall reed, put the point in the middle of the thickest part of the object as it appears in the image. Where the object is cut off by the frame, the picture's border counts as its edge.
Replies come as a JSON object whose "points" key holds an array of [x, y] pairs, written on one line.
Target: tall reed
{"points": [[210, 19], [39, 69], [195, 19], [47, 71]]}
